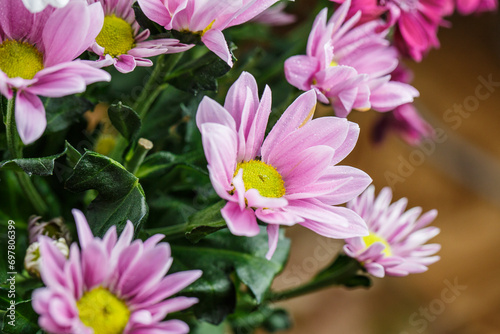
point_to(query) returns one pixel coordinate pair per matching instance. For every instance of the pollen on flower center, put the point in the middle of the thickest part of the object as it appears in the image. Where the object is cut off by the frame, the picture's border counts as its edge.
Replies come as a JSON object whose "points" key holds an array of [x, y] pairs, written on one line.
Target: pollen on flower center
{"points": [[373, 238], [263, 177], [116, 36], [102, 311], [20, 59], [334, 63]]}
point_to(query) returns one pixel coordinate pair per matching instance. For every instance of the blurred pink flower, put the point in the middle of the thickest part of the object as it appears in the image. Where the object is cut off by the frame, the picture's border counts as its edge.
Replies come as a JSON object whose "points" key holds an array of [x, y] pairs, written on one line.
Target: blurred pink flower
{"points": [[405, 120], [275, 16], [349, 66], [396, 244], [416, 22], [466, 7], [120, 43], [112, 285], [205, 17], [37, 53], [287, 178]]}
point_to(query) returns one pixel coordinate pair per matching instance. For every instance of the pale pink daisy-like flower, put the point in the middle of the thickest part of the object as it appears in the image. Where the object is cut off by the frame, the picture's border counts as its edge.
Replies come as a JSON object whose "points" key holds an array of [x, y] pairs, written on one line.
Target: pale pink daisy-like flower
{"points": [[120, 43], [111, 286], [349, 65], [416, 22], [396, 244], [291, 176], [37, 53], [36, 6], [207, 18]]}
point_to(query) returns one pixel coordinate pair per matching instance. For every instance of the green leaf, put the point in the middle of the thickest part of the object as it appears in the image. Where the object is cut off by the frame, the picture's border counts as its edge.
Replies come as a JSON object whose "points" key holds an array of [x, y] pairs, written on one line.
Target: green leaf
{"points": [[24, 318], [43, 166], [125, 120], [161, 163], [120, 198], [200, 74], [205, 222], [240, 255], [64, 111]]}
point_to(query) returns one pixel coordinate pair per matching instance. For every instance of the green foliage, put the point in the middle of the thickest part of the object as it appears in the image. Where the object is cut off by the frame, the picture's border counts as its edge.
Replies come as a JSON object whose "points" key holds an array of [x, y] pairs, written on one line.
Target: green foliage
{"points": [[125, 120], [220, 256], [64, 111], [120, 198]]}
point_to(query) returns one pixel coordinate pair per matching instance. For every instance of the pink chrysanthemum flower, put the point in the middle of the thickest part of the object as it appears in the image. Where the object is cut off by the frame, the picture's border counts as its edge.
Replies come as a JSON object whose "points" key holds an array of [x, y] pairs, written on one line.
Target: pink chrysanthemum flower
{"points": [[207, 18], [120, 43], [288, 178], [111, 286], [395, 245], [349, 66], [416, 22], [37, 53]]}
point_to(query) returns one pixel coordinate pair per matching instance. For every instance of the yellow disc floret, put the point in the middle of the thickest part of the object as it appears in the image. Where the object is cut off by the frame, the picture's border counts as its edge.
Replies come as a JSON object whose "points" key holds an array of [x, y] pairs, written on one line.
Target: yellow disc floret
{"points": [[20, 59], [373, 238], [116, 36], [102, 311], [263, 177]]}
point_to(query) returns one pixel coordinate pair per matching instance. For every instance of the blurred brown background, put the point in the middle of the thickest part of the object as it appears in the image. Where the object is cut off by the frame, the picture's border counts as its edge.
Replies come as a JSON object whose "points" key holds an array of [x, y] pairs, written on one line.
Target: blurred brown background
{"points": [[460, 176]]}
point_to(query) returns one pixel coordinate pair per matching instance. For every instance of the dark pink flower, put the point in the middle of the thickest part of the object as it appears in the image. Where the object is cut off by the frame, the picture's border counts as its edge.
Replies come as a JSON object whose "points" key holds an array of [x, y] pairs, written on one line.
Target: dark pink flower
{"points": [[416, 22]]}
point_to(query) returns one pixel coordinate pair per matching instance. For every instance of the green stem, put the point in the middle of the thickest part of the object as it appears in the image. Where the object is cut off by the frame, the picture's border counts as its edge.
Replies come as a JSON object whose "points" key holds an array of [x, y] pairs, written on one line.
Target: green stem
{"points": [[155, 84], [170, 232], [141, 150], [15, 148], [321, 281]]}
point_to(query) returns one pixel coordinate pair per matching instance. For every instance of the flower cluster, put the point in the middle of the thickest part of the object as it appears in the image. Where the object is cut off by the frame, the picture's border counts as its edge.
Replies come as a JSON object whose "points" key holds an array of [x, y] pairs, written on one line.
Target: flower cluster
{"points": [[272, 165]]}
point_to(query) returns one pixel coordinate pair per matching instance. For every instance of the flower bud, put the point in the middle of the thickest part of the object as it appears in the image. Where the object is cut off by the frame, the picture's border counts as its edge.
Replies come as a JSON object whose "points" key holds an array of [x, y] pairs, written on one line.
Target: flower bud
{"points": [[54, 229], [32, 260]]}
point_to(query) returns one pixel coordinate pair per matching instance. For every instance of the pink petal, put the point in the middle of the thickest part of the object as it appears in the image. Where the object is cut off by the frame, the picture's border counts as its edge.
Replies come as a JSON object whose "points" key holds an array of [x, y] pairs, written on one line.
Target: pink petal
{"points": [[273, 234], [240, 222], [84, 233], [156, 11], [125, 63], [300, 71], [215, 41], [30, 116]]}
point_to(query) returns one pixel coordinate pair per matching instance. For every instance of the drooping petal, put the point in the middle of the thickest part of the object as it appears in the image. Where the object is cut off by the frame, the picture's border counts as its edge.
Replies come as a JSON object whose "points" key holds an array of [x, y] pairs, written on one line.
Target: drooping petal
{"points": [[215, 41], [30, 116], [240, 222]]}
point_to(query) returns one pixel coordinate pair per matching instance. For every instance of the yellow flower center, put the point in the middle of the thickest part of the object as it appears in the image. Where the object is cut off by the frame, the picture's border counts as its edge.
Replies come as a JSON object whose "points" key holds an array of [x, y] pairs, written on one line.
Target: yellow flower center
{"points": [[373, 238], [334, 63], [20, 59], [102, 311], [116, 36], [263, 177]]}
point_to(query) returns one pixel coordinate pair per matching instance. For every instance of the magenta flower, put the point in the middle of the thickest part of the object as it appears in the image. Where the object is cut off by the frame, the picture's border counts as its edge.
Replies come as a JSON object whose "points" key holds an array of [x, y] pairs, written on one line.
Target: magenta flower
{"points": [[349, 66], [207, 18], [120, 43], [110, 286], [37, 53], [395, 245], [416, 21], [288, 178], [466, 7], [405, 120]]}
